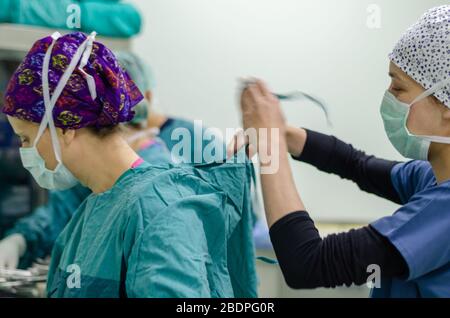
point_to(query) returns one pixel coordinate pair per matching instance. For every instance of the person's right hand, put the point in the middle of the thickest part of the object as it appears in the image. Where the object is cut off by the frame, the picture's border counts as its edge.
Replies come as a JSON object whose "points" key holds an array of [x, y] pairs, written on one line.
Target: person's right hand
{"points": [[11, 249], [296, 139]]}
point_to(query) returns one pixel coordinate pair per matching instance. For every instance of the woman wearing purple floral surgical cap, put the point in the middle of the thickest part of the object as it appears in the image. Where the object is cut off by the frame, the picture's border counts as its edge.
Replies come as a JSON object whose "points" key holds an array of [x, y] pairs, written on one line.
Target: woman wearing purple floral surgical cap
{"points": [[110, 102], [406, 254], [147, 230], [75, 87]]}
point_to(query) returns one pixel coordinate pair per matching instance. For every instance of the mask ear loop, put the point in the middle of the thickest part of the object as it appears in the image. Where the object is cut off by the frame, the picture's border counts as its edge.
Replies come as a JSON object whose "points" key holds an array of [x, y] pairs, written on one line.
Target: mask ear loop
{"points": [[50, 103], [429, 92]]}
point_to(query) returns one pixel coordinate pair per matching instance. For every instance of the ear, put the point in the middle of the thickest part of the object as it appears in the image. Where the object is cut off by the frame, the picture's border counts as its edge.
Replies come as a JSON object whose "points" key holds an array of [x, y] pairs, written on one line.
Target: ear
{"points": [[68, 135], [148, 96], [446, 114]]}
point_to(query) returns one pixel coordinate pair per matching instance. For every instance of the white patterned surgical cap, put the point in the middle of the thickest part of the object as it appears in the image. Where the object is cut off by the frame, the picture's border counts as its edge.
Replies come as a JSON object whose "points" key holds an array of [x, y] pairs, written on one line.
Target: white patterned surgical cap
{"points": [[423, 52]]}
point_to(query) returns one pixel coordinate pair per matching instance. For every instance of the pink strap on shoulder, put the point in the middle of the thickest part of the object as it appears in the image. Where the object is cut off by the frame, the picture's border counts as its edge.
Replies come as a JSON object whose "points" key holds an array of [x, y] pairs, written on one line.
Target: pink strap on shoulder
{"points": [[137, 163]]}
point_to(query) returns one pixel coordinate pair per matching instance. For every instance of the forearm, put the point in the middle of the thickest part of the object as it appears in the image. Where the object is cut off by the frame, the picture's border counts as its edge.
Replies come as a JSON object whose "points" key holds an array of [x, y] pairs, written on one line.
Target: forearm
{"points": [[279, 190], [44, 224], [295, 139], [308, 261], [331, 155]]}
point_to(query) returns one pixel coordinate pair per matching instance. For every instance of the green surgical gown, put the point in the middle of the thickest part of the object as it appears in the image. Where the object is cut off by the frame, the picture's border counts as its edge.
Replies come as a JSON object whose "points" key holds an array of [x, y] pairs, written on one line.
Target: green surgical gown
{"points": [[161, 231]]}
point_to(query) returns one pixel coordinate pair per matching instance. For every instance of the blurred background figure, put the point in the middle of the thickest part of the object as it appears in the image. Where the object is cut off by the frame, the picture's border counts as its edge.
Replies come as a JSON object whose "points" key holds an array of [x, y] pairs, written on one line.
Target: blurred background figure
{"points": [[21, 22], [145, 79]]}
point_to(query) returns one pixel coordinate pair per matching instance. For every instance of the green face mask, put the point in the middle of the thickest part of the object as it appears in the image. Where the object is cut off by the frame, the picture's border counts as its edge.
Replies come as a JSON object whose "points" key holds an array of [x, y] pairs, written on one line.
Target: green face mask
{"points": [[395, 115]]}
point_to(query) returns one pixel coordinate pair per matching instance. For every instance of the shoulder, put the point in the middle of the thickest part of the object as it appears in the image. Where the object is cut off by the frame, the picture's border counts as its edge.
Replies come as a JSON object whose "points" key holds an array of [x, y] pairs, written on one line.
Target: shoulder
{"points": [[419, 229], [412, 177], [413, 166], [155, 189]]}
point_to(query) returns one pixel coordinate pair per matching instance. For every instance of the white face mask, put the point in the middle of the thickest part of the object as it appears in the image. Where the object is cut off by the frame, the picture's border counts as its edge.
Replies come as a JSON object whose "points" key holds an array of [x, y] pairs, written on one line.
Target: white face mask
{"points": [[60, 178]]}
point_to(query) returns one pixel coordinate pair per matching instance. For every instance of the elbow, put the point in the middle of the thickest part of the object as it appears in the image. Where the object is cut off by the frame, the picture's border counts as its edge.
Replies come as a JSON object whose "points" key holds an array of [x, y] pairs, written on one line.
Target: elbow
{"points": [[298, 276], [299, 282], [294, 283]]}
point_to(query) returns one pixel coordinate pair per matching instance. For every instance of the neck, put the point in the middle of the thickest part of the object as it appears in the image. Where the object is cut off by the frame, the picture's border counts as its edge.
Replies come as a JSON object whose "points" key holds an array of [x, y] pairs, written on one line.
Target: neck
{"points": [[104, 161], [439, 159]]}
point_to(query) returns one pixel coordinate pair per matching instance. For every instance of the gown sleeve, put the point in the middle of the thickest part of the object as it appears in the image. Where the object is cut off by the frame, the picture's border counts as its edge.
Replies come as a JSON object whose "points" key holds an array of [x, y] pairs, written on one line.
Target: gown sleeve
{"points": [[41, 228]]}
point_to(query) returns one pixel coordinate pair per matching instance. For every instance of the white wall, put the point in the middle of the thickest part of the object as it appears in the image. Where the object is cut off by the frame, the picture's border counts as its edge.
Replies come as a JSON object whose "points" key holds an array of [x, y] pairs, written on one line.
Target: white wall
{"points": [[199, 47]]}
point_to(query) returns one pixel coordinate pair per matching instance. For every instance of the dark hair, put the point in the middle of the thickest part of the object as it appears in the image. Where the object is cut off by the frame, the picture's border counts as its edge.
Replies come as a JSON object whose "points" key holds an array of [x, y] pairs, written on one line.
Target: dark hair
{"points": [[103, 132]]}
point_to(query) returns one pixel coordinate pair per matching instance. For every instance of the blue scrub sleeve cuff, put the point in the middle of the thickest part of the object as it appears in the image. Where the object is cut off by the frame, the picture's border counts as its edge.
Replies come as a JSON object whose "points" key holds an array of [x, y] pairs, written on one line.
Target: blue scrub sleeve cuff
{"points": [[395, 182], [382, 228]]}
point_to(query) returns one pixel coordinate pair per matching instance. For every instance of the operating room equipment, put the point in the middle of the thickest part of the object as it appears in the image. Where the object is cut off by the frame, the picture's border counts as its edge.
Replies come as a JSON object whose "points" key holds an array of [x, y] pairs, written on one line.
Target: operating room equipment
{"points": [[24, 283]]}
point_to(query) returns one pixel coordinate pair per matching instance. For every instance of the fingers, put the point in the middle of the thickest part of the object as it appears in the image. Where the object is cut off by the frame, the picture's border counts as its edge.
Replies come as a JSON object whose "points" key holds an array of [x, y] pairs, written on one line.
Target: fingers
{"points": [[250, 150], [10, 263], [254, 91], [249, 97], [231, 147], [13, 263], [262, 88], [237, 142]]}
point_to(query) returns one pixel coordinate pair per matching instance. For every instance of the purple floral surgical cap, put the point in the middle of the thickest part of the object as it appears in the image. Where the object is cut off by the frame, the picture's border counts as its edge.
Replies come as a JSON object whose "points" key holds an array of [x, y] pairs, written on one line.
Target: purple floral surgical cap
{"points": [[423, 52], [117, 94]]}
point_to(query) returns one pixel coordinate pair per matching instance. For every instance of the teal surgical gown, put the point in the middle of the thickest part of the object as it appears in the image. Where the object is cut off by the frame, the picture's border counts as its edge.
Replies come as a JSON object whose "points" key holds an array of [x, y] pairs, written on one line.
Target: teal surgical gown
{"points": [[161, 231], [41, 227]]}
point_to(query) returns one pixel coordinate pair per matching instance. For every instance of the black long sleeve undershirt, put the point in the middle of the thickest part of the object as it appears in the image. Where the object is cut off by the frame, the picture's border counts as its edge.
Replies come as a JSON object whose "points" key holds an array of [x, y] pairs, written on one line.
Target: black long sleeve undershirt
{"points": [[307, 260], [329, 154]]}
